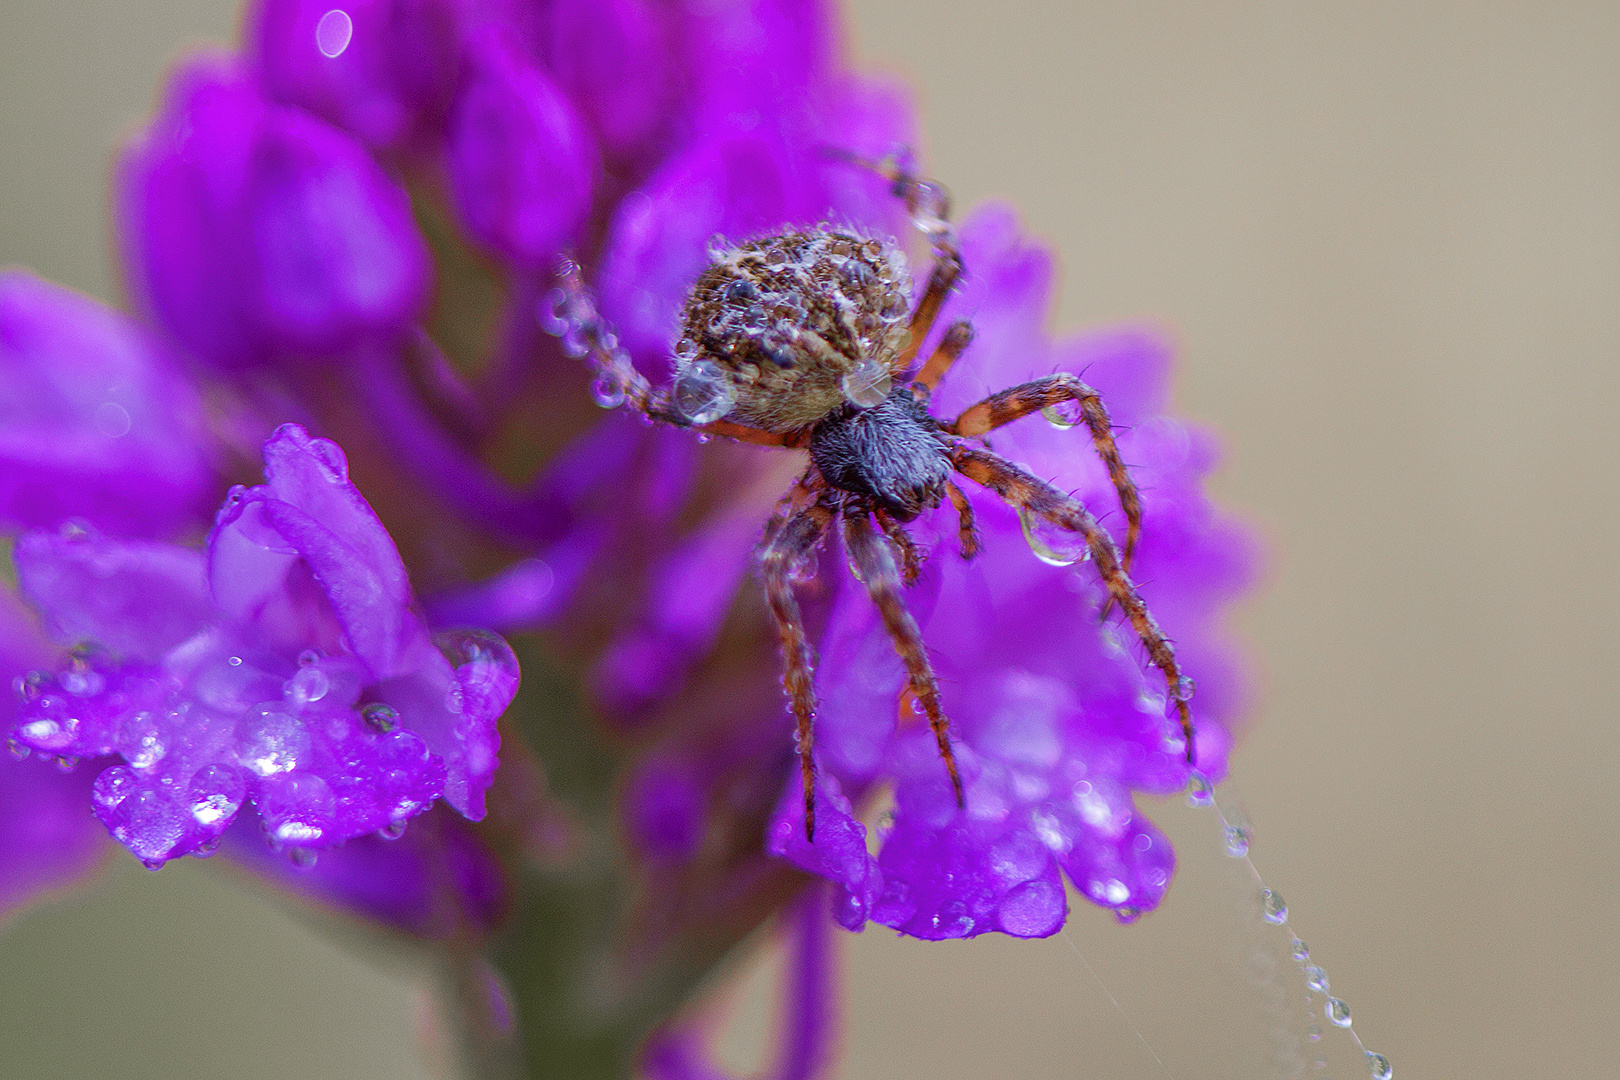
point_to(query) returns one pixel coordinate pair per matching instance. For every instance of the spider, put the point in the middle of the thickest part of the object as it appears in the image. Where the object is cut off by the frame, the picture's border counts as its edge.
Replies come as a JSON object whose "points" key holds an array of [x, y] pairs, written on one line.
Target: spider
{"points": [[804, 339]]}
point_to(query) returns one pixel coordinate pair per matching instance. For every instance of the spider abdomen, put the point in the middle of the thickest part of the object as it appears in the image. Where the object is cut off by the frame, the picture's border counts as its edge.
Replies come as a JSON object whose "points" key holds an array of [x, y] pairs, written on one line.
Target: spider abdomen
{"points": [[888, 453], [779, 329]]}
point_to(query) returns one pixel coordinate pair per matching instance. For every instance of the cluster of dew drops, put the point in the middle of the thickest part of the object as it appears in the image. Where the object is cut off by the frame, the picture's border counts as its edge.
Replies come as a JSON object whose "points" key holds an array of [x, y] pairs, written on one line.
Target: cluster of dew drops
{"points": [[1238, 835]]}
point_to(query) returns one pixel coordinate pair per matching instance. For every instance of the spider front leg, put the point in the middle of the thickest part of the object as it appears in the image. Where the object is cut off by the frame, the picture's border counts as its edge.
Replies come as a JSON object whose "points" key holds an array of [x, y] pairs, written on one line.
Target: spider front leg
{"points": [[572, 316], [876, 568], [795, 534], [1020, 401], [1025, 492]]}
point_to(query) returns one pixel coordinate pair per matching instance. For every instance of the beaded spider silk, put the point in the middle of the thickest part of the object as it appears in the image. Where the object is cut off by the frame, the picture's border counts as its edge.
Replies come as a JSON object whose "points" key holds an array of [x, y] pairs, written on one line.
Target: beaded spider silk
{"points": [[804, 339]]}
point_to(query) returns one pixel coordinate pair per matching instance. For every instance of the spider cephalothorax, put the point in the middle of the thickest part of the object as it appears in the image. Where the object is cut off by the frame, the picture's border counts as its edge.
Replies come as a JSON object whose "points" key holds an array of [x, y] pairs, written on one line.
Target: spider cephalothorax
{"points": [[804, 339]]}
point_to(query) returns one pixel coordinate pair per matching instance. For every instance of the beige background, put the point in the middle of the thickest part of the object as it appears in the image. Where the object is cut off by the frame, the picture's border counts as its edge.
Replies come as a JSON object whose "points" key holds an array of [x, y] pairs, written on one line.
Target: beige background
{"points": [[1388, 237]]}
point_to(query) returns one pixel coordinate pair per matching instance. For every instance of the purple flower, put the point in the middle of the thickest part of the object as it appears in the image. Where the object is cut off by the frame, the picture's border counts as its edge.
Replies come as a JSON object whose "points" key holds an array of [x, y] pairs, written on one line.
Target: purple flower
{"points": [[254, 231], [96, 421], [284, 666], [1054, 719]]}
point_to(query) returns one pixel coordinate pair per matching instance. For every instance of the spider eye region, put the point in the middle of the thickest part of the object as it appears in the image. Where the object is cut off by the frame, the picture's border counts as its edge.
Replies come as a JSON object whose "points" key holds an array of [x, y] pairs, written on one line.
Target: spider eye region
{"points": [[887, 453], [782, 330]]}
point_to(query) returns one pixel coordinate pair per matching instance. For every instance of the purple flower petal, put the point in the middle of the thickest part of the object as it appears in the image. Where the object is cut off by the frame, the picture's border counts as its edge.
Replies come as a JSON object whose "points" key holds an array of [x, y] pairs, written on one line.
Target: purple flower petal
{"points": [[95, 420], [138, 598], [254, 230], [522, 163]]}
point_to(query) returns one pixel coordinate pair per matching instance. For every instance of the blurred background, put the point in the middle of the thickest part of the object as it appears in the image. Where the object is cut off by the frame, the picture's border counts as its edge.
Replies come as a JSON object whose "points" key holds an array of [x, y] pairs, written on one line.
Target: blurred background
{"points": [[1387, 238]]}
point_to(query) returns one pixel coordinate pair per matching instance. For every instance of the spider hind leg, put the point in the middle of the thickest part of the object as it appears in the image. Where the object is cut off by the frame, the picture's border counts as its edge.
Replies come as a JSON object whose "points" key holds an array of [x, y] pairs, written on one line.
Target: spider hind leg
{"points": [[1025, 491], [876, 568], [791, 535]]}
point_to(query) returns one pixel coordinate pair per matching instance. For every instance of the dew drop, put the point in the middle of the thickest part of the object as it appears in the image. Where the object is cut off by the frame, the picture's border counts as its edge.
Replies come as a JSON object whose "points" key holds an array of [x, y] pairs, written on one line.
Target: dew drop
{"points": [[1316, 979], [302, 857], [1199, 790], [380, 717], [1272, 908], [717, 247], [333, 33], [1301, 952], [153, 864], [113, 786], [310, 684], [868, 383], [394, 829], [1315, 1032], [1378, 1066], [1237, 841], [216, 793], [703, 393], [1337, 1012], [269, 741], [607, 393], [1063, 415], [1050, 543]]}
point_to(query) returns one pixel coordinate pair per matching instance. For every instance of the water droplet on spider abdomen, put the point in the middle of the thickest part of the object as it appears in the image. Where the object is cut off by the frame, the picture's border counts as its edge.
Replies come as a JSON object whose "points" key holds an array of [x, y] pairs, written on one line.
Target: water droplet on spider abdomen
{"points": [[703, 393], [1052, 543], [868, 383]]}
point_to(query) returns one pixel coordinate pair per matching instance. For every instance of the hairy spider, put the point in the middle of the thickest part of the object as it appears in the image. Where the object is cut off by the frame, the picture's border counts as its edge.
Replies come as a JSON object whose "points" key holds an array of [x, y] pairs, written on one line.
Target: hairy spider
{"points": [[802, 339]]}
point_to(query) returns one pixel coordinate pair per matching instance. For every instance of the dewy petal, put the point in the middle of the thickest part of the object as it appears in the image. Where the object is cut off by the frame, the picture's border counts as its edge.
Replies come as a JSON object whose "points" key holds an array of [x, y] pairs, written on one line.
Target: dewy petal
{"points": [[839, 852], [96, 421], [522, 163], [383, 70], [254, 230], [138, 598], [308, 687]]}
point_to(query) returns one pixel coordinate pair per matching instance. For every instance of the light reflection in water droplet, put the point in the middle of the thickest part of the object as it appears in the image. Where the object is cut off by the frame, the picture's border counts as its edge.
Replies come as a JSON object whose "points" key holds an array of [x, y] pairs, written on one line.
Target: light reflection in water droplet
{"points": [[333, 33]]}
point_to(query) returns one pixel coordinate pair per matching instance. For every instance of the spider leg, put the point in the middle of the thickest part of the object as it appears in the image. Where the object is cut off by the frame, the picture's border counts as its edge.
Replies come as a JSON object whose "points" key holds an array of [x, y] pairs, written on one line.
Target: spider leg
{"points": [[574, 318], [796, 534], [950, 347], [967, 532], [904, 546], [877, 570], [929, 205], [1020, 401], [1026, 493]]}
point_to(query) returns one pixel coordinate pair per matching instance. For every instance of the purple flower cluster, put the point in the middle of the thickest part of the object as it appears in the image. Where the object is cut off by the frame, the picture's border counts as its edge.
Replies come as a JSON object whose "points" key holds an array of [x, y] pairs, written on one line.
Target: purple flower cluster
{"points": [[351, 229]]}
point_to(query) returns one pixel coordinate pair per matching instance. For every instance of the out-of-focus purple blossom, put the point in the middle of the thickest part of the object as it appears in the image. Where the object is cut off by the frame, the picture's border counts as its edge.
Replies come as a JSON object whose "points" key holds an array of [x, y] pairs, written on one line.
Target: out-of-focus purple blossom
{"points": [[382, 70], [1055, 720], [96, 421], [522, 163], [48, 837], [285, 666], [254, 231], [616, 60]]}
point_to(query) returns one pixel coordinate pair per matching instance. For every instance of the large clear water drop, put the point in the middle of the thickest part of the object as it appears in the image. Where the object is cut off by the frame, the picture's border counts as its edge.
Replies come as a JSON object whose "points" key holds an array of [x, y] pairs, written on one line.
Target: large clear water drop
{"points": [[1052, 544], [703, 392]]}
